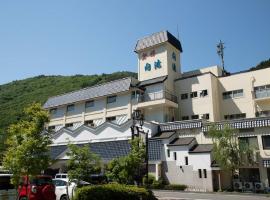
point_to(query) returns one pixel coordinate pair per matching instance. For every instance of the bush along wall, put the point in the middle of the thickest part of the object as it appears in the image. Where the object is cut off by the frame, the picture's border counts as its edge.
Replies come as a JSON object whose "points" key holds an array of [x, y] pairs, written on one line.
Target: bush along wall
{"points": [[113, 192]]}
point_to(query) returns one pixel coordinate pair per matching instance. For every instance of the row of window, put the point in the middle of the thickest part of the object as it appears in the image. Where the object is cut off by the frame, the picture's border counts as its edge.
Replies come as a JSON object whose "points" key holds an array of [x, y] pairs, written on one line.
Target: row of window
{"points": [[175, 156], [233, 94], [88, 104], [235, 116], [204, 175], [194, 94], [87, 122], [204, 116]]}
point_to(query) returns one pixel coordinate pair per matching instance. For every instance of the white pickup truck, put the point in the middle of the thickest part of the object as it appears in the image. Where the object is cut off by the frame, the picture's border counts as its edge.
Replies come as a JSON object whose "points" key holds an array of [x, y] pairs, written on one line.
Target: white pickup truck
{"points": [[7, 190]]}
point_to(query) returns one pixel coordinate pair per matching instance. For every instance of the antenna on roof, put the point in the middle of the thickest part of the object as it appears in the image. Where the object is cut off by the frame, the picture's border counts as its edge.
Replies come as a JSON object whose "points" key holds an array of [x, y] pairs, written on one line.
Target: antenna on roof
{"points": [[220, 52], [177, 32]]}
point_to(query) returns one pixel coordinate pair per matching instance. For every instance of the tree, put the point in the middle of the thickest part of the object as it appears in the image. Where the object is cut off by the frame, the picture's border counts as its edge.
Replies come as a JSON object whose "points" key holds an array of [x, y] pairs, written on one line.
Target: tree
{"points": [[127, 169], [27, 152], [82, 163], [2, 146], [228, 152]]}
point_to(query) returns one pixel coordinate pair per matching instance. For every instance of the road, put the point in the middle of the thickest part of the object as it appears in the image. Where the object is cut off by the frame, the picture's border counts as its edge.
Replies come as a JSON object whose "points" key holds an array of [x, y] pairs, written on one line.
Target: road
{"points": [[172, 195]]}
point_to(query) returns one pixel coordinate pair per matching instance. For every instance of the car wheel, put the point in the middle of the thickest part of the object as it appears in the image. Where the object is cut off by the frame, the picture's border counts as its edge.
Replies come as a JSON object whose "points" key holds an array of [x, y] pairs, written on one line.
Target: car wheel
{"points": [[64, 197]]}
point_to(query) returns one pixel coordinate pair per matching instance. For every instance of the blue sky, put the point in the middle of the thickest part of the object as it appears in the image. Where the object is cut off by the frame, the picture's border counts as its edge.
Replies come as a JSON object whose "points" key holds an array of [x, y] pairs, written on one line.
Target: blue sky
{"points": [[67, 37]]}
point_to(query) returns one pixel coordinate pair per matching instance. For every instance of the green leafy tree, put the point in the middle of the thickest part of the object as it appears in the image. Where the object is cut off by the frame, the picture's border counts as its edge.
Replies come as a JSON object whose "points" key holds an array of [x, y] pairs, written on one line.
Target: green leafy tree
{"points": [[27, 152], [228, 152], [129, 168], [82, 163]]}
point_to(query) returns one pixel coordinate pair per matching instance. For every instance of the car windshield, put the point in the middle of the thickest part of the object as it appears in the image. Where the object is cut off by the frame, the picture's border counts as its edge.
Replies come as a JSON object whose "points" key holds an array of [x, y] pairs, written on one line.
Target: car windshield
{"points": [[41, 181]]}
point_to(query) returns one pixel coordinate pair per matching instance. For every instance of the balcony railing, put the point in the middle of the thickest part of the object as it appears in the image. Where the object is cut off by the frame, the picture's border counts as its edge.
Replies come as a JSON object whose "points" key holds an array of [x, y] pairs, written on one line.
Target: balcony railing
{"points": [[156, 96], [262, 94]]}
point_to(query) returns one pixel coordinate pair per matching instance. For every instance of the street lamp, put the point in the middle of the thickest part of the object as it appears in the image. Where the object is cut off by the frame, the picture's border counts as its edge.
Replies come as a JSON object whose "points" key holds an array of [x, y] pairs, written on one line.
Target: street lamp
{"points": [[138, 118]]}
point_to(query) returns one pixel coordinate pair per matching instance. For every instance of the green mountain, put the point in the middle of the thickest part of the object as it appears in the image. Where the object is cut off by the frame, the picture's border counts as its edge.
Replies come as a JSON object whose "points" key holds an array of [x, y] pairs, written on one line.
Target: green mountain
{"points": [[16, 95]]}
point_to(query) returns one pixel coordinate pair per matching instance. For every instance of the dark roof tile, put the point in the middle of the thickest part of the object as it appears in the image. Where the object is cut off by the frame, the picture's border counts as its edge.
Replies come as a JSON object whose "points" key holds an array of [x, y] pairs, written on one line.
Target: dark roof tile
{"points": [[182, 141], [202, 148], [105, 89], [158, 38]]}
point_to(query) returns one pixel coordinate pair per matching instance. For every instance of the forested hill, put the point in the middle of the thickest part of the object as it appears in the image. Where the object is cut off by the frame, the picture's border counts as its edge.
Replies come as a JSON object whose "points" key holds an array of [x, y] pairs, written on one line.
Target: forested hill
{"points": [[16, 95]]}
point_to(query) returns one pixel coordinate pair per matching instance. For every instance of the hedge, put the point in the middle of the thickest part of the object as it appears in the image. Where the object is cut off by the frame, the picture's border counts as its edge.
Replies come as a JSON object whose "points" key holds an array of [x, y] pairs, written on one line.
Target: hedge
{"points": [[113, 192], [175, 187]]}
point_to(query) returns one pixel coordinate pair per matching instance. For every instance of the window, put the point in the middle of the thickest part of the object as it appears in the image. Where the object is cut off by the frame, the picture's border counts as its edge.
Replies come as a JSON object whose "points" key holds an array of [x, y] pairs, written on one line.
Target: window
{"points": [[186, 160], [89, 123], [200, 173], [185, 118], [89, 104], [203, 93], [193, 94], [174, 155], [233, 94], [70, 108], [205, 116], [53, 111], [184, 96], [262, 91], [174, 56], [205, 173], [195, 117], [264, 113], [70, 125], [266, 141], [235, 116], [110, 119], [51, 128], [174, 67], [111, 99], [168, 153], [135, 94]]}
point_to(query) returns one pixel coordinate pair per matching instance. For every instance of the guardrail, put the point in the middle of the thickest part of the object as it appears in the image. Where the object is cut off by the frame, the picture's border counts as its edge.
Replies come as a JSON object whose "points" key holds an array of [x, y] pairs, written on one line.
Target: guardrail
{"points": [[262, 94], [156, 96]]}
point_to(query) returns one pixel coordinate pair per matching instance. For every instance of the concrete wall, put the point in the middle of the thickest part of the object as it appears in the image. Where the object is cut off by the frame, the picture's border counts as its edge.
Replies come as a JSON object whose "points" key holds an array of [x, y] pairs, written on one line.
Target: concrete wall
{"points": [[186, 175]]}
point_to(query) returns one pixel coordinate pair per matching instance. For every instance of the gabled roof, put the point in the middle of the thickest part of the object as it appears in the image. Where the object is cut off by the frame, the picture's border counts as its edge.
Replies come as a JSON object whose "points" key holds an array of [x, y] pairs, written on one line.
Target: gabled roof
{"points": [[112, 149], [181, 141], [202, 148], [105, 89], [163, 135], [160, 79], [158, 38]]}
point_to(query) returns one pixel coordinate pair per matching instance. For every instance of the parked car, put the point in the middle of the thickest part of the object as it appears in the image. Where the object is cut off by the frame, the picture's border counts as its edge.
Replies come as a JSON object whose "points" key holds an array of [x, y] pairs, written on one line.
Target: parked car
{"points": [[7, 190], [98, 179], [61, 176], [64, 189], [37, 188]]}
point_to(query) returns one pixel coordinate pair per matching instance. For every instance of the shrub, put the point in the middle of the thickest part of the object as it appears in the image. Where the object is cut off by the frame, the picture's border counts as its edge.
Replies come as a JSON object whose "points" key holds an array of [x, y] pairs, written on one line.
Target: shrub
{"points": [[113, 192], [151, 179], [175, 187]]}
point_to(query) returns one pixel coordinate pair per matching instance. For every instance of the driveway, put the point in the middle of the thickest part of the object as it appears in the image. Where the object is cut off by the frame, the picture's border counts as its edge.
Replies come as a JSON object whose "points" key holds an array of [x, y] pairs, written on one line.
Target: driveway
{"points": [[175, 195]]}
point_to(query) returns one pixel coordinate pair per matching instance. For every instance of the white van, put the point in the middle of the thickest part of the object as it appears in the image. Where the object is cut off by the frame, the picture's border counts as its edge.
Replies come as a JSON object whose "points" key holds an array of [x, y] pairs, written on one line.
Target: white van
{"points": [[7, 190], [61, 176]]}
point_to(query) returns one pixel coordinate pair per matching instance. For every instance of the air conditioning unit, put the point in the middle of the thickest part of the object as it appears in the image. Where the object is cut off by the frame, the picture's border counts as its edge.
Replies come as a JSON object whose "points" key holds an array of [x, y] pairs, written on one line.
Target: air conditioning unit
{"points": [[258, 186], [248, 185], [237, 185]]}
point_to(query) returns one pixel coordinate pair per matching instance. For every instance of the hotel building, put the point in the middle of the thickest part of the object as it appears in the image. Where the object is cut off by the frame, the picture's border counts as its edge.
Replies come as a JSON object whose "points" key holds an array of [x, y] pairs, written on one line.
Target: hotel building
{"points": [[179, 107]]}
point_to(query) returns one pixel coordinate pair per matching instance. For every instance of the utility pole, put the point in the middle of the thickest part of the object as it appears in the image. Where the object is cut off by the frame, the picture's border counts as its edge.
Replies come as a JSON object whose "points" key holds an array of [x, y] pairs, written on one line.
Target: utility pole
{"points": [[220, 52]]}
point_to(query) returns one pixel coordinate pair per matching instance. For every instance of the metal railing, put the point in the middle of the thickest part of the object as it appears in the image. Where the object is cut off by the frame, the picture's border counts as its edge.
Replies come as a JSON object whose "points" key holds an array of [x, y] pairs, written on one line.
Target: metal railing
{"points": [[156, 96], [262, 93]]}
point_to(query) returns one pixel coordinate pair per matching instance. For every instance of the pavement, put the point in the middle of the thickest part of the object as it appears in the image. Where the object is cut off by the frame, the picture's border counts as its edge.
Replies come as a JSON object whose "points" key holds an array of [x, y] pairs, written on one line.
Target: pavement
{"points": [[180, 195]]}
